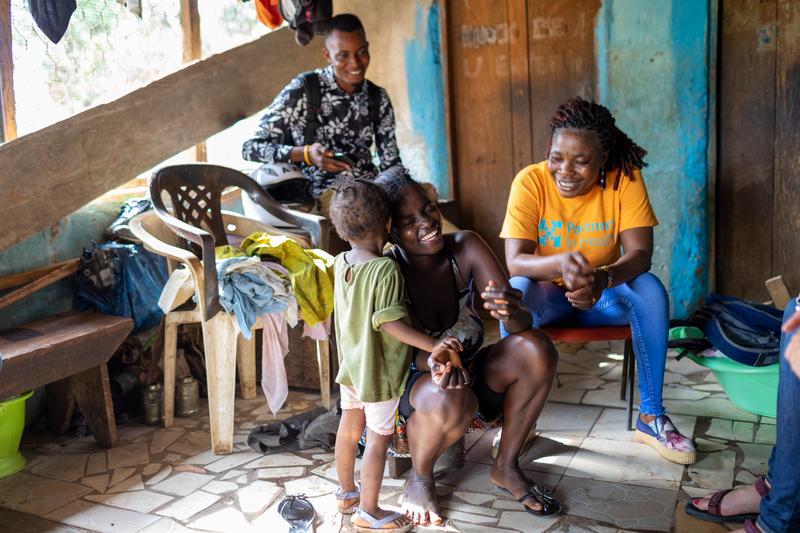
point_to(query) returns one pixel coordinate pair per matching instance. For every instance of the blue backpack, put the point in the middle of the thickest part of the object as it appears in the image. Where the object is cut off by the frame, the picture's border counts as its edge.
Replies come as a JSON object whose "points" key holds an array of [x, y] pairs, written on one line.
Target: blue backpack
{"points": [[747, 332]]}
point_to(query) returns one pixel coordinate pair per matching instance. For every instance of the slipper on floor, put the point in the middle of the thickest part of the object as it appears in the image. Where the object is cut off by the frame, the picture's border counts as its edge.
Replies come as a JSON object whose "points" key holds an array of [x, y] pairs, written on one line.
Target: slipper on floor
{"points": [[550, 506], [342, 497], [298, 512], [376, 524], [714, 513]]}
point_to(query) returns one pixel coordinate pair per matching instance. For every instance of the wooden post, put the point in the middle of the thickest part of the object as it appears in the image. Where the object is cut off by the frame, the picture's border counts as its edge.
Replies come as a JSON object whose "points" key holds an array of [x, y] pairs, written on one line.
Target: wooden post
{"points": [[192, 51], [7, 107]]}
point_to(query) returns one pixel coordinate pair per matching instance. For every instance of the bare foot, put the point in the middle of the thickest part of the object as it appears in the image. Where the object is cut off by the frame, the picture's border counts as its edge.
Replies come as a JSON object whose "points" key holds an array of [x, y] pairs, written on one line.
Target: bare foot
{"points": [[743, 500], [514, 481], [419, 501]]}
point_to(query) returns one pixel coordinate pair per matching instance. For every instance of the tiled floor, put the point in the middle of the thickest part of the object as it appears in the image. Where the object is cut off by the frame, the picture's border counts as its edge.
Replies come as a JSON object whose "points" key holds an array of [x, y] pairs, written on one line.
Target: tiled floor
{"points": [[162, 480]]}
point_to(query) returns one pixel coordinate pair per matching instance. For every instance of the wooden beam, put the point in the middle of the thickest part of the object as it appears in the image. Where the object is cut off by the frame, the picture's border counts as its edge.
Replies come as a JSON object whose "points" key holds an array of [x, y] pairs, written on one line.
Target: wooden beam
{"points": [[45, 281], [21, 278], [52, 172], [778, 291], [444, 54], [7, 106], [192, 51]]}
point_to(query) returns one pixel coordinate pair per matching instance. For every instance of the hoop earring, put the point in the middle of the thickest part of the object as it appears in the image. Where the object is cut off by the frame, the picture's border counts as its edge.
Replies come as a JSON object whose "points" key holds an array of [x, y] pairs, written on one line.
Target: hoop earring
{"points": [[602, 181]]}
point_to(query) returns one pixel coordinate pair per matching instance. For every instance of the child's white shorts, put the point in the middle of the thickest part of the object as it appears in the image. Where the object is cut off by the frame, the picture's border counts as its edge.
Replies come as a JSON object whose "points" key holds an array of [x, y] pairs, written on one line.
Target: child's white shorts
{"points": [[379, 415]]}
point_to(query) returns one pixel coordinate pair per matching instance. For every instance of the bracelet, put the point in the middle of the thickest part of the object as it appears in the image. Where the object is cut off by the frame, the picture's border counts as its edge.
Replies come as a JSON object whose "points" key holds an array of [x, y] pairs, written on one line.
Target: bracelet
{"points": [[305, 155], [609, 274]]}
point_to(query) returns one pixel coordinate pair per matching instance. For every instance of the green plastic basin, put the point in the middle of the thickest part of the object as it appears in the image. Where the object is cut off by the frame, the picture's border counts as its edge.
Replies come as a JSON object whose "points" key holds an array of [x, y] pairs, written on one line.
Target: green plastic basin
{"points": [[12, 423], [754, 389]]}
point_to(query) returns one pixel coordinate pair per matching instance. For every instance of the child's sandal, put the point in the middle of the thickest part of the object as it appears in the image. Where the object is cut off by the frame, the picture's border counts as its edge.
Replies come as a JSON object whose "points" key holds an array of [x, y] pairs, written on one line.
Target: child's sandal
{"points": [[347, 502]]}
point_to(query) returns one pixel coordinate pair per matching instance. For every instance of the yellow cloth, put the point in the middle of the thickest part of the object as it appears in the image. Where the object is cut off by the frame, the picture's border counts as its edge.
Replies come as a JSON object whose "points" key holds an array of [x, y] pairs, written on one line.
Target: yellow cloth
{"points": [[589, 224], [227, 251], [310, 271]]}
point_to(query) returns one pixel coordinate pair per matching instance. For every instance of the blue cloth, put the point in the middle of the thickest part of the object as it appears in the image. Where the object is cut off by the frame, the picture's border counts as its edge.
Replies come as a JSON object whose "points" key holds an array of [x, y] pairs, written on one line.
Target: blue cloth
{"points": [[641, 302], [246, 294], [780, 509]]}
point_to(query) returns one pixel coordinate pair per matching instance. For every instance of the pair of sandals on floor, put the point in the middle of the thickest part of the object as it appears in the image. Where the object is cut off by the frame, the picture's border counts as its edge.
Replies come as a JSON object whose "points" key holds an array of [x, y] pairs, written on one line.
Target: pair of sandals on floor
{"points": [[714, 512]]}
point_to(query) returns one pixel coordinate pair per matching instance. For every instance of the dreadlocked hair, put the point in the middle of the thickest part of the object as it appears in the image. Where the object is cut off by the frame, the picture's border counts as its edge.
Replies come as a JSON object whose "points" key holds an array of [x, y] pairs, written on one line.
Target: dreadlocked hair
{"points": [[622, 153], [359, 208]]}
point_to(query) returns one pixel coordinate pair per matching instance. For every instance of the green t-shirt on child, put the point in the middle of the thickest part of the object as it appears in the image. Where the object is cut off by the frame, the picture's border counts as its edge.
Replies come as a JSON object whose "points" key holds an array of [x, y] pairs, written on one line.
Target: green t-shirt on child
{"points": [[365, 296]]}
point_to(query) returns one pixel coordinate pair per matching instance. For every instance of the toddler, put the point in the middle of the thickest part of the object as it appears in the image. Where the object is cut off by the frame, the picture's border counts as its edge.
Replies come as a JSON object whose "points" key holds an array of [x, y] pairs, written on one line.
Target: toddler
{"points": [[374, 344]]}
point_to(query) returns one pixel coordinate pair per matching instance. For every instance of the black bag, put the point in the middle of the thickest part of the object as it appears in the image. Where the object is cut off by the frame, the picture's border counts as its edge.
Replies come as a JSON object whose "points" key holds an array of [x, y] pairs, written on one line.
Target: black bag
{"points": [[303, 15]]}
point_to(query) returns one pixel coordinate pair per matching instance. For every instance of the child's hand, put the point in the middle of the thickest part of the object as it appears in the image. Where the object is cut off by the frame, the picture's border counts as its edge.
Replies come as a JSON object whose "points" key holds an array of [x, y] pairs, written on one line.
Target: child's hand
{"points": [[447, 371]]}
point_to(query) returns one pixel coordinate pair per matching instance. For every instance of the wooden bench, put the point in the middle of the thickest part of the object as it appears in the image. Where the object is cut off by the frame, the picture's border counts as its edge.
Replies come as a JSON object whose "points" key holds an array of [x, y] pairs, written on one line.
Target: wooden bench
{"points": [[68, 353]]}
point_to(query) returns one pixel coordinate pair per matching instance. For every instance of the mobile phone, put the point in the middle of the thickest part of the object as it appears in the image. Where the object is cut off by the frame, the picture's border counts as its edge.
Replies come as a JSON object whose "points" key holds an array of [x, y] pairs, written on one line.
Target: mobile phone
{"points": [[344, 158]]}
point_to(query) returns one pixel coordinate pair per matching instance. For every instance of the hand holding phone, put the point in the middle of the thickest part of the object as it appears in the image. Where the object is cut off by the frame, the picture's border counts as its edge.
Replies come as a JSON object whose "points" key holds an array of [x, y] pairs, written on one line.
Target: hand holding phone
{"points": [[344, 158]]}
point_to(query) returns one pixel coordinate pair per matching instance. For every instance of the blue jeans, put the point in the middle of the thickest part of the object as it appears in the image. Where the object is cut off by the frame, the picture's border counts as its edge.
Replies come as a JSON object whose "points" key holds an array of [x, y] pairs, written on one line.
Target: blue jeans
{"points": [[780, 509], [641, 302]]}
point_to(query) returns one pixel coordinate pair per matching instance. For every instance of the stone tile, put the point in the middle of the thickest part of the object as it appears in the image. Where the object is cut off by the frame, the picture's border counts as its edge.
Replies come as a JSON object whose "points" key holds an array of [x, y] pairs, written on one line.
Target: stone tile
{"points": [[474, 477], [608, 398], [131, 455], [550, 453], [627, 506], [567, 420], [696, 492], [310, 486], [221, 487], [203, 458], [191, 443], [232, 461], [95, 517], [684, 522], [710, 387], [164, 438], [160, 476], [166, 525], [132, 483], [183, 484], [465, 527], [171, 458], [566, 395], [322, 456], [684, 366], [151, 469], [257, 496], [745, 477], [133, 431], [767, 420], [526, 522], [279, 459], [721, 429], [14, 521], [473, 497], [189, 506], [119, 475], [677, 392], [707, 446], [743, 431], [232, 474], [713, 470], [611, 425], [227, 519], [566, 367], [142, 501], [98, 482], [280, 473], [766, 434], [756, 457], [468, 508], [587, 384], [66, 467], [37, 495], [470, 518], [634, 463], [709, 407]]}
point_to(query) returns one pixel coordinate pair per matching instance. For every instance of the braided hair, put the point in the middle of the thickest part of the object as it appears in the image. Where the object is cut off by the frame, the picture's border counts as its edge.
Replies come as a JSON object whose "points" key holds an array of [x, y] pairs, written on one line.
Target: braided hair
{"points": [[359, 208], [621, 152]]}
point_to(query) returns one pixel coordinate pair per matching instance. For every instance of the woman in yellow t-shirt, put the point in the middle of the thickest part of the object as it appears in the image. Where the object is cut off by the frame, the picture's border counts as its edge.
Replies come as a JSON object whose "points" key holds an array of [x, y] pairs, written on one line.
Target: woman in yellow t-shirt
{"points": [[566, 220]]}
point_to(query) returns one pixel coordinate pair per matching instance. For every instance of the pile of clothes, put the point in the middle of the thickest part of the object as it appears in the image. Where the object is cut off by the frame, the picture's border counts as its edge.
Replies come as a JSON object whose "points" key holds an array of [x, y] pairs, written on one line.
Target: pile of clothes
{"points": [[273, 282]]}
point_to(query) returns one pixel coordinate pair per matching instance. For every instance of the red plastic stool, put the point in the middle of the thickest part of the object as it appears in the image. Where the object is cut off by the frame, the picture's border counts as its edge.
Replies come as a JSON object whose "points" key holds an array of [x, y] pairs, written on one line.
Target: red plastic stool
{"points": [[609, 333]]}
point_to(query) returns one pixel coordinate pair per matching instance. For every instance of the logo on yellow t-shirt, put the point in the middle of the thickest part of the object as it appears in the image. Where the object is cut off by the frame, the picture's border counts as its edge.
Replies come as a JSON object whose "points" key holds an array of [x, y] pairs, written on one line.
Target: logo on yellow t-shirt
{"points": [[554, 233]]}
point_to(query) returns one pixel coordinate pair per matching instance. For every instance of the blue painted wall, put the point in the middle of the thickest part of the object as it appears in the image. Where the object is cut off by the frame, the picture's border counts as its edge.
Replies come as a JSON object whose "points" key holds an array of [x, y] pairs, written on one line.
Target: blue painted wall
{"points": [[652, 62], [64, 241], [425, 86]]}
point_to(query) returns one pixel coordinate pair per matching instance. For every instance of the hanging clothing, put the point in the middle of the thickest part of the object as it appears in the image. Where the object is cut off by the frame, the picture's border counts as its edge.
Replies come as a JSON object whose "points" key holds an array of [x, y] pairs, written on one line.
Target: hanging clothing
{"points": [[310, 271], [52, 16], [268, 14]]}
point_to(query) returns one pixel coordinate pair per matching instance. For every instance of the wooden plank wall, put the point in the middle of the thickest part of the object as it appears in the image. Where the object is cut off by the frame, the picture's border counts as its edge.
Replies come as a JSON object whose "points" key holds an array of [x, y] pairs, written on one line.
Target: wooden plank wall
{"points": [[758, 185], [512, 63], [52, 172]]}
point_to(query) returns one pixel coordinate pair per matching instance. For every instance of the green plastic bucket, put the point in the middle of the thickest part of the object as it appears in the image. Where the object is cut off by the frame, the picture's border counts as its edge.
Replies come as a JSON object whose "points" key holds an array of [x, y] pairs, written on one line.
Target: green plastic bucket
{"points": [[752, 388], [12, 422]]}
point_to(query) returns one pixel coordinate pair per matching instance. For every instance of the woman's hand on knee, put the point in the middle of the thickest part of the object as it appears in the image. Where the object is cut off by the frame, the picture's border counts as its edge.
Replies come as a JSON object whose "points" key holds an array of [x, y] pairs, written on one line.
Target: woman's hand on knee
{"points": [[576, 271], [447, 371]]}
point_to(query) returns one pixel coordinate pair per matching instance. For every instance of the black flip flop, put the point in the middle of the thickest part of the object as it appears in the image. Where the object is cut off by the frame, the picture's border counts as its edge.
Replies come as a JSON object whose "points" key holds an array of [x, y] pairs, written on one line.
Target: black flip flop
{"points": [[298, 512], [550, 506], [714, 512]]}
